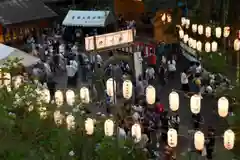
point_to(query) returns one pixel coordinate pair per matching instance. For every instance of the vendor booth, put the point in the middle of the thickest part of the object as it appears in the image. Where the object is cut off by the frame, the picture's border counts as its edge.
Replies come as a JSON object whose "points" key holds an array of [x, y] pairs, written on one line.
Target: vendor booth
{"points": [[8, 52], [81, 23]]}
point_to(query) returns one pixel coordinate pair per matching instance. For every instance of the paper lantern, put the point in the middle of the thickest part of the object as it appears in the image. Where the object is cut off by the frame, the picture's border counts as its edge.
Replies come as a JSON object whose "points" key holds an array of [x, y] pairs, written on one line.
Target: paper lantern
{"points": [[70, 120], [127, 89], [70, 97], [58, 117], [89, 126], [190, 42], [199, 140], [187, 22], [199, 46], [183, 21], [109, 84], [150, 95], [214, 46], [229, 139], [163, 18], [195, 104], [58, 98], [200, 29], [185, 38], [194, 28], [194, 44], [174, 101], [17, 81], [207, 47], [169, 18], [236, 45], [136, 132], [226, 31], [172, 137], [84, 95], [223, 106], [45, 95], [208, 32], [218, 32], [181, 34], [108, 127]]}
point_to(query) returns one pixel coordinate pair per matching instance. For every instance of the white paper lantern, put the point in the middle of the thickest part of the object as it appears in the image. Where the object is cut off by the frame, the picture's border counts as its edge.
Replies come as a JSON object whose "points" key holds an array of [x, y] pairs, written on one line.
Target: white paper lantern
{"points": [[199, 140], [218, 32], [127, 89], [200, 29], [108, 127], [164, 17], [58, 117], [58, 98], [194, 28], [169, 18], [109, 84], [45, 95], [195, 104], [150, 95], [172, 137], [70, 97], [214, 46], [70, 120], [223, 106], [208, 32], [236, 45], [194, 44], [84, 95], [89, 126], [226, 31], [190, 42], [136, 132], [17, 81], [174, 101], [187, 23], [181, 34], [207, 47], [185, 38], [183, 21], [229, 139], [199, 46]]}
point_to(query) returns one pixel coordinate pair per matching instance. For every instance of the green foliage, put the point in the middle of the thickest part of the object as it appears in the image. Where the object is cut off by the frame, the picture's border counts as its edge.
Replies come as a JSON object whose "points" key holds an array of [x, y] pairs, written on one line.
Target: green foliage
{"points": [[26, 135]]}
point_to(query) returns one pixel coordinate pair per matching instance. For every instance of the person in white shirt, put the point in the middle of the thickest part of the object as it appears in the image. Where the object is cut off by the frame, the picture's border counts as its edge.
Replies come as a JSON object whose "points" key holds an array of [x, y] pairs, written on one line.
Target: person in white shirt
{"points": [[184, 81], [150, 73], [171, 68], [72, 68]]}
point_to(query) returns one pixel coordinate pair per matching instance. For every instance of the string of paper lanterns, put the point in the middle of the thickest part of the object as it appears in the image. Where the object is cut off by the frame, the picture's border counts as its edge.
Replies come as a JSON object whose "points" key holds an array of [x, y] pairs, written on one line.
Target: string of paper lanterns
{"points": [[219, 32]]}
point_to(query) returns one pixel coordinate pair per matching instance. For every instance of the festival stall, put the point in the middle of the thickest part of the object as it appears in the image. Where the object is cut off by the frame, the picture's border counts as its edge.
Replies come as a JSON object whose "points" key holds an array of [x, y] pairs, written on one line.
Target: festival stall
{"points": [[9, 52], [88, 22]]}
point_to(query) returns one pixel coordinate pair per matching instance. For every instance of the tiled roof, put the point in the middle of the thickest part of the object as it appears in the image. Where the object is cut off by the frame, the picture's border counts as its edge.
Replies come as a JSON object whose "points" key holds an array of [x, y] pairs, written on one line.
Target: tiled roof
{"points": [[17, 11]]}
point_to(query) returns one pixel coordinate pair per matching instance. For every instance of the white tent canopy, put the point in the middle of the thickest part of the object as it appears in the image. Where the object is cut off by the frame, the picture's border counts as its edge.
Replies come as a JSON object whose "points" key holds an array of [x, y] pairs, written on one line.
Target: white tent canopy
{"points": [[9, 52], [88, 18]]}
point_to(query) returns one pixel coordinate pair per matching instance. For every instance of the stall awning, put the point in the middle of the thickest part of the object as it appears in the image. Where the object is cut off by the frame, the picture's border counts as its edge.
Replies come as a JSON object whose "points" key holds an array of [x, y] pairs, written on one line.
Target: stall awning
{"points": [[88, 18], [10, 52]]}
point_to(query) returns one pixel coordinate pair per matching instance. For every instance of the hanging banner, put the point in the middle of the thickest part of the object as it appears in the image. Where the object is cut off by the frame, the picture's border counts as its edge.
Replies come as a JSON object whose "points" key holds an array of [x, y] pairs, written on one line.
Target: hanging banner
{"points": [[109, 40]]}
